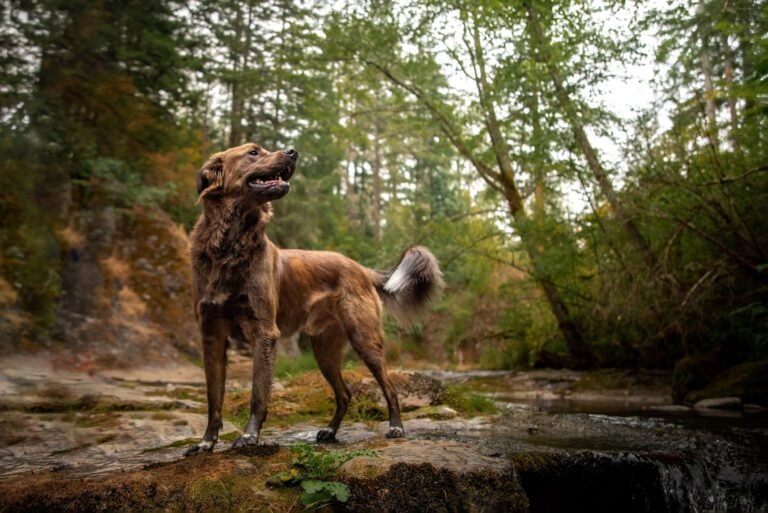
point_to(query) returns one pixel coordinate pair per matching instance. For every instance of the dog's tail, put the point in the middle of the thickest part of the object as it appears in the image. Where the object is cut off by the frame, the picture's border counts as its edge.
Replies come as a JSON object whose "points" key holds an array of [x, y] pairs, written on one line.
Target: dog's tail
{"points": [[410, 285]]}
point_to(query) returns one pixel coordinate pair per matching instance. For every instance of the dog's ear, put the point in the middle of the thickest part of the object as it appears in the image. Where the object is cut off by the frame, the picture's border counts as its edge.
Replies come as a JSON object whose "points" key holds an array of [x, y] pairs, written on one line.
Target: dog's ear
{"points": [[209, 177]]}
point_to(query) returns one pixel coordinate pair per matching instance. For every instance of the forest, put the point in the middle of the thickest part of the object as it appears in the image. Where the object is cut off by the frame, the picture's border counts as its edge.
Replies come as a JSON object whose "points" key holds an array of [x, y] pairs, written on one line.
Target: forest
{"points": [[572, 232]]}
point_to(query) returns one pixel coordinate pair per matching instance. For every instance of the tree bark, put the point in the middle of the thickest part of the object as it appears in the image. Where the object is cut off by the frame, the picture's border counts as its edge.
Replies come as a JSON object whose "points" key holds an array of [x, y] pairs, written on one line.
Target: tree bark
{"points": [[239, 61], [377, 179], [566, 324], [709, 92], [732, 109]]}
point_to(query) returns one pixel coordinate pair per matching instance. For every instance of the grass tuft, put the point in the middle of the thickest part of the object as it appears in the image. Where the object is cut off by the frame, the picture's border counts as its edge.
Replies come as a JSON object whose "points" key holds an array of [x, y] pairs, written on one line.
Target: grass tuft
{"points": [[287, 367]]}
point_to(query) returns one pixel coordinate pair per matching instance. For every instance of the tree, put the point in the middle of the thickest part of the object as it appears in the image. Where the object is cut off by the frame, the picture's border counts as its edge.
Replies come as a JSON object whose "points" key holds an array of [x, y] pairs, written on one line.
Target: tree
{"points": [[420, 76]]}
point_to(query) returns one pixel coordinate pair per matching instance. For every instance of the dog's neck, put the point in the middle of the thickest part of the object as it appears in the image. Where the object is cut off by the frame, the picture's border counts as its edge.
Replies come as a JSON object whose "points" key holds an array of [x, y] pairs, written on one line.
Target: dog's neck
{"points": [[235, 228]]}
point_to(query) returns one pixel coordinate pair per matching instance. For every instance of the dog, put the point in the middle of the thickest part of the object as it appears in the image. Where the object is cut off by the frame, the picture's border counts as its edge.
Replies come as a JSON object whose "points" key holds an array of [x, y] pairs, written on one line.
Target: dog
{"points": [[246, 288]]}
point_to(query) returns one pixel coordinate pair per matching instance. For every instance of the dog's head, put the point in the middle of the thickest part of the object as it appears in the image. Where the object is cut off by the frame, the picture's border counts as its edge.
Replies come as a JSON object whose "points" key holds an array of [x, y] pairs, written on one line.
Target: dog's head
{"points": [[247, 172]]}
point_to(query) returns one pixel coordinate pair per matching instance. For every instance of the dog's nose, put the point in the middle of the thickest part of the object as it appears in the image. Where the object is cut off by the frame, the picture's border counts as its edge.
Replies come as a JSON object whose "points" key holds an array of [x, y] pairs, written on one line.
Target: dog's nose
{"points": [[292, 153]]}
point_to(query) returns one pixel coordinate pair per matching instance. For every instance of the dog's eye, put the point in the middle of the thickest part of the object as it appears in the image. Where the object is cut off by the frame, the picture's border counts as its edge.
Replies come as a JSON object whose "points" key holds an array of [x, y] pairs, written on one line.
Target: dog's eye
{"points": [[253, 152]]}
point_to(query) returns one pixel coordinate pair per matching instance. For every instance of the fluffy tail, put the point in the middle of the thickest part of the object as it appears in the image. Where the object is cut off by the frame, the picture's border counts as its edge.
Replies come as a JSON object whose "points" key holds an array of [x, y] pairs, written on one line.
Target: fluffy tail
{"points": [[411, 285]]}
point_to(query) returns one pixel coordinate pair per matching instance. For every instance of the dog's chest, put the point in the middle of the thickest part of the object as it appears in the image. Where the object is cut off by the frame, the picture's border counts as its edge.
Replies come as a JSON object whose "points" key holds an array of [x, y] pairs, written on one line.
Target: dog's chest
{"points": [[225, 283]]}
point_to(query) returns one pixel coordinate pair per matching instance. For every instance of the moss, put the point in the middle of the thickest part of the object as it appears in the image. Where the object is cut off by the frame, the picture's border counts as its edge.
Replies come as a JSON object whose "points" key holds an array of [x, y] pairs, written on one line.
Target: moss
{"points": [[162, 415], [605, 379], [466, 402], [186, 442], [205, 483], [365, 409]]}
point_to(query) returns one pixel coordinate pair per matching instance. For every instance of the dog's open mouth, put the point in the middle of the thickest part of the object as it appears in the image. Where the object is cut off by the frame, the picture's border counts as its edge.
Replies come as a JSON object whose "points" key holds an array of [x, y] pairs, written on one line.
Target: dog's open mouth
{"points": [[268, 181], [265, 181]]}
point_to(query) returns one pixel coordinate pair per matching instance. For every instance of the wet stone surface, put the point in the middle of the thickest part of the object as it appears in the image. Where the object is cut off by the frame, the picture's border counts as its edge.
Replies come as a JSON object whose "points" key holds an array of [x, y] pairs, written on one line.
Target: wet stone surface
{"points": [[540, 453]]}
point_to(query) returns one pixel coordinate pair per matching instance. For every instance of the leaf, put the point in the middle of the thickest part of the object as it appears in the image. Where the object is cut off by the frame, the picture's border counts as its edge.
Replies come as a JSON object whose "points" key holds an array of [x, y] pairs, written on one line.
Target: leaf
{"points": [[340, 491], [313, 485], [317, 493], [315, 500]]}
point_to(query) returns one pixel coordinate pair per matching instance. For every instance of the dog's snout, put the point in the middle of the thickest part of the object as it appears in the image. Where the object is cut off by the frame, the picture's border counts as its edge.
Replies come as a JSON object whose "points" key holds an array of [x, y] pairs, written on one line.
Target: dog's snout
{"points": [[292, 153]]}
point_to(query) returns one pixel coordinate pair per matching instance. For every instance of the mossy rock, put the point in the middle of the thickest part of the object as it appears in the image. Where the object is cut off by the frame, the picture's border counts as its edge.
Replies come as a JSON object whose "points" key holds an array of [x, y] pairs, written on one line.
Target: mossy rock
{"points": [[749, 381], [425, 487], [693, 372]]}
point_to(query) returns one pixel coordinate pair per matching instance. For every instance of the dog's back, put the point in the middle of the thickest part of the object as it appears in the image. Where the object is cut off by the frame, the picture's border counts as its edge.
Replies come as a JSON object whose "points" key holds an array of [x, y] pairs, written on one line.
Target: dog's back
{"points": [[311, 281]]}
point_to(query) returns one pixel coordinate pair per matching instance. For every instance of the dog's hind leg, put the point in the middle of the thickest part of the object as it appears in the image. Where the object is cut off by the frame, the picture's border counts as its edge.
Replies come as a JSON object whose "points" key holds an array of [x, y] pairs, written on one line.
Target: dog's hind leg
{"points": [[215, 332], [328, 347], [368, 342]]}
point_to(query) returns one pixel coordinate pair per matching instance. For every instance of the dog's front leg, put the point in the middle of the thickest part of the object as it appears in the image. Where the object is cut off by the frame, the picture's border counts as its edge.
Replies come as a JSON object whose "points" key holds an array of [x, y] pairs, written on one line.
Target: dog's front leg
{"points": [[215, 331], [264, 339]]}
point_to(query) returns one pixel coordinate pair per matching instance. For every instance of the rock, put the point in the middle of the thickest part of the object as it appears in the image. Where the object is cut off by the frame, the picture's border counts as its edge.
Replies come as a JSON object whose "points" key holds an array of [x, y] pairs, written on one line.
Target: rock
{"points": [[187, 404], [719, 403], [428, 475], [414, 390], [671, 408]]}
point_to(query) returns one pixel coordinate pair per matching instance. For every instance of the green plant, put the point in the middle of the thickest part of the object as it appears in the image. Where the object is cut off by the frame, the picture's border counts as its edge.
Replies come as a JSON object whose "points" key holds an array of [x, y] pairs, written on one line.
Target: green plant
{"points": [[313, 469]]}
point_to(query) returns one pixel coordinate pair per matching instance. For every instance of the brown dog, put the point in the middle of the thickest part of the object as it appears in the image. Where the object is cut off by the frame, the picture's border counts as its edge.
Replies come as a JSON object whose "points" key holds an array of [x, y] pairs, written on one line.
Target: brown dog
{"points": [[245, 287]]}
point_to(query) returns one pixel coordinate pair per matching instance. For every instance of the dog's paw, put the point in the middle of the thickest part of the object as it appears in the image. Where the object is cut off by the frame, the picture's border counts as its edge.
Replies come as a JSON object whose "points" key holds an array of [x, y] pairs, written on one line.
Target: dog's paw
{"points": [[396, 432], [326, 435], [246, 440], [204, 446]]}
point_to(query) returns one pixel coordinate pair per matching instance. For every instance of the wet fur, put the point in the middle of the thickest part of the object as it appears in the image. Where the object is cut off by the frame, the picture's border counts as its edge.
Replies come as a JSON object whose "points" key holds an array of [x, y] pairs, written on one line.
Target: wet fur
{"points": [[247, 288]]}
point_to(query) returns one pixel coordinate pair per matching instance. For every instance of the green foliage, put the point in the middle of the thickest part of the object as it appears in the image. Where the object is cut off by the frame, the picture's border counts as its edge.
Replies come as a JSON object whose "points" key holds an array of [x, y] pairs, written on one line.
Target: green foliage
{"points": [[124, 184], [314, 469]]}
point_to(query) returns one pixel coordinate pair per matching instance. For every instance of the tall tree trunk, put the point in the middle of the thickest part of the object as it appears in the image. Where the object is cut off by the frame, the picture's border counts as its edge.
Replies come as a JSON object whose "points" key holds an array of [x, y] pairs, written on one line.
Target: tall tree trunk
{"points": [[377, 179], [745, 17], [541, 45], [732, 109], [709, 91], [348, 185], [237, 102], [538, 160]]}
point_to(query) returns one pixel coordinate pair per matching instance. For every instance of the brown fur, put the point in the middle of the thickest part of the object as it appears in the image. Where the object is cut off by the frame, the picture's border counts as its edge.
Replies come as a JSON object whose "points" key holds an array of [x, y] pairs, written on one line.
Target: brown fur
{"points": [[245, 287]]}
